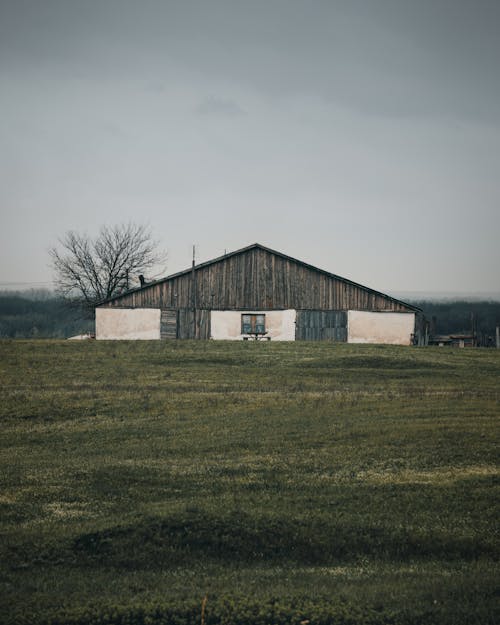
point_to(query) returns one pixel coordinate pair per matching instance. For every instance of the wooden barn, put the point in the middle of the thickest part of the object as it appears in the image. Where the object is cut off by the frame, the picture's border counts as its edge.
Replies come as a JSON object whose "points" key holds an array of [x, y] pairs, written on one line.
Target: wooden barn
{"points": [[258, 293]]}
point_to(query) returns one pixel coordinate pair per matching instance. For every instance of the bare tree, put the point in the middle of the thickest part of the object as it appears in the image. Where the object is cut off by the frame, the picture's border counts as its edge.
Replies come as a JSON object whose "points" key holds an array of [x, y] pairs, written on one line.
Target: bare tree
{"points": [[88, 271]]}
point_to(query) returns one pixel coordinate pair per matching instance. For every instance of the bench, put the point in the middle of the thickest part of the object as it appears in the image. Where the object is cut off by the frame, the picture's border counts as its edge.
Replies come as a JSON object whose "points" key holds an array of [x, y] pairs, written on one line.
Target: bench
{"points": [[256, 336]]}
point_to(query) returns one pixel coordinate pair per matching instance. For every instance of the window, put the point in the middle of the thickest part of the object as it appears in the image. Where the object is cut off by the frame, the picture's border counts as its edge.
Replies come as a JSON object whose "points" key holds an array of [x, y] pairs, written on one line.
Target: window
{"points": [[253, 324]]}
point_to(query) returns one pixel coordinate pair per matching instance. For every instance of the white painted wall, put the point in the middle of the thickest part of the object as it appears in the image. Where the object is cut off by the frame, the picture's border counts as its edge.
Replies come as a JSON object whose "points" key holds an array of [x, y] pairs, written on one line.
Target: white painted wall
{"points": [[225, 325], [380, 327], [113, 324]]}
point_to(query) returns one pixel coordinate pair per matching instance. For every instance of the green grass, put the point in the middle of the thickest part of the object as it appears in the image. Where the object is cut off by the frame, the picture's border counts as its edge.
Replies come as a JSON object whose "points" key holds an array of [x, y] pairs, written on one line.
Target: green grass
{"points": [[286, 482]]}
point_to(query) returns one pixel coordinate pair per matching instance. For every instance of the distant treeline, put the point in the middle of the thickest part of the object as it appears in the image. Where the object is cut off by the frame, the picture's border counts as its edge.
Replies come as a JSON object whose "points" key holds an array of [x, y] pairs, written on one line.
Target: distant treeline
{"points": [[39, 314], [461, 317]]}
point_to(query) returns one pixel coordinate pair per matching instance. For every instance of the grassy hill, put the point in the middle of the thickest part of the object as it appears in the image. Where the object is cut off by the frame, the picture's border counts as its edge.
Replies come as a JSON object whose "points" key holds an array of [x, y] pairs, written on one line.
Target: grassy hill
{"points": [[286, 483]]}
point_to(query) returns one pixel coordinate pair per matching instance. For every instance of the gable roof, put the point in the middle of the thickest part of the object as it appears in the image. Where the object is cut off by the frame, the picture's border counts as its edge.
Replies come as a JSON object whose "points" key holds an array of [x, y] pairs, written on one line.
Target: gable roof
{"points": [[243, 250]]}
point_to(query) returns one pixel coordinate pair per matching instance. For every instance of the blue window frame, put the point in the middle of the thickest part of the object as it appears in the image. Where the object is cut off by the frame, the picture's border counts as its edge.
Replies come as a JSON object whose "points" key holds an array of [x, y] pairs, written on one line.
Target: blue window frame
{"points": [[253, 324]]}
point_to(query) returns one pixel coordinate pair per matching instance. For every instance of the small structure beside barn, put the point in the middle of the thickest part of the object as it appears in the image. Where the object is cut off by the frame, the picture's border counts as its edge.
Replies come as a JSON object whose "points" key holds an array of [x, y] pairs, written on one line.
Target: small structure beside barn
{"points": [[258, 293], [453, 340]]}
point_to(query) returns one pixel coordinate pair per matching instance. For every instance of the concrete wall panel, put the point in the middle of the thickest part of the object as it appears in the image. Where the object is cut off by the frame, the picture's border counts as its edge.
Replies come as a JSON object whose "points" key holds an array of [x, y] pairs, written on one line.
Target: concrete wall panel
{"points": [[127, 324], [226, 324], [380, 327]]}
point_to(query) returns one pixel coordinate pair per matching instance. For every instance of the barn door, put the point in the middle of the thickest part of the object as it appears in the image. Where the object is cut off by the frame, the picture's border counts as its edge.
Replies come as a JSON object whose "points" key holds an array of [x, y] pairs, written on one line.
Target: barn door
{"points": [[168, 324], [321, 325]]}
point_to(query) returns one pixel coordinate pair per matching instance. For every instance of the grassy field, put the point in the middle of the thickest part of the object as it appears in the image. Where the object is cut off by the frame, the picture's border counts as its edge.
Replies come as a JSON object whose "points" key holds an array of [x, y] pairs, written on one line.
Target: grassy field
{"points": [[287, 483]]}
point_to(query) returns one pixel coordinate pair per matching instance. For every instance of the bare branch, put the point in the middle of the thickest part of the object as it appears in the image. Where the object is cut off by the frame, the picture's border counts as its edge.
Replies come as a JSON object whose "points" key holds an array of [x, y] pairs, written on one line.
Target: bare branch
{"points": [[88, 271]]}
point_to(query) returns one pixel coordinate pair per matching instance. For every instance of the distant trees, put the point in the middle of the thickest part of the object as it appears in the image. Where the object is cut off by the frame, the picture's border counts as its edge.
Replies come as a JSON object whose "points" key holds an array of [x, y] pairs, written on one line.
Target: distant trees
{"points": [[453, 316], [90, 270], [39, 315]]}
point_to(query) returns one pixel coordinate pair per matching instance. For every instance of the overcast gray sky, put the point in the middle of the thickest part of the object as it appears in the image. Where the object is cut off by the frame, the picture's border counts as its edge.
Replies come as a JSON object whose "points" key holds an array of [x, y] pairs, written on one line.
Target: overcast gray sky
{"points": [[360, 136]]}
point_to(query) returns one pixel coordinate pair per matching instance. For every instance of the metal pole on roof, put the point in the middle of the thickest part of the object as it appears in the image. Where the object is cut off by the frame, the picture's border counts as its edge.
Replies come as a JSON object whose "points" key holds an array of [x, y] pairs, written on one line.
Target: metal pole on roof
{"points": [[193, 292]]}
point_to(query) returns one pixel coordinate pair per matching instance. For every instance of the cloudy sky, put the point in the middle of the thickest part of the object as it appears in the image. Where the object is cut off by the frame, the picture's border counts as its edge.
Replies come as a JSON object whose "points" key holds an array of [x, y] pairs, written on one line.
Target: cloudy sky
{"points": [[362, 136]]}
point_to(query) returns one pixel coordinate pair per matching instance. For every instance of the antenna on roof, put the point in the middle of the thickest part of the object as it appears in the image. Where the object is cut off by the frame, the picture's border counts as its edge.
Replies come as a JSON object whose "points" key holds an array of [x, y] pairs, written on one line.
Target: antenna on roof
{"points": [[193, 292]]}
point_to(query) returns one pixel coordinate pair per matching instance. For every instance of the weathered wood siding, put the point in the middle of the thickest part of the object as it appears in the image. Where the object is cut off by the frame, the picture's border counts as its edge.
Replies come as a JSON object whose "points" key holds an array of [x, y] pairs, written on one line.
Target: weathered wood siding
{"points": [[257, 279], [193, 325]]}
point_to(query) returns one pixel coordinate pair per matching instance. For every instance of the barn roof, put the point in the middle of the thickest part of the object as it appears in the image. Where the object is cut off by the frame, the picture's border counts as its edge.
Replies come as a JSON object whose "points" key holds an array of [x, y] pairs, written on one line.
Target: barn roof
{"points": [[248, 248]]}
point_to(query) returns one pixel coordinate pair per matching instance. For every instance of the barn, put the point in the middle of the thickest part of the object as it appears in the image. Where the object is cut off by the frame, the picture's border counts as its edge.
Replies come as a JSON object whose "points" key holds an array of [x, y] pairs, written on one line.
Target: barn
{"points": [[258, 293]]}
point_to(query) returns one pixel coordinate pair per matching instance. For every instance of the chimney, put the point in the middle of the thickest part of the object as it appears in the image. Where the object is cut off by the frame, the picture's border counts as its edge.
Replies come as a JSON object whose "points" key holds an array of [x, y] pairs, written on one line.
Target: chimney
{"points": [[142, 280]]}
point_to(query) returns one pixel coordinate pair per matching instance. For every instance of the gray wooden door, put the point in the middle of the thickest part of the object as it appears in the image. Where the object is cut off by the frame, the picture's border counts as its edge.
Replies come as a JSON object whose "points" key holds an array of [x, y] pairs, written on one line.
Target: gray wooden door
{"points": [[321, 325], [168, 324]]}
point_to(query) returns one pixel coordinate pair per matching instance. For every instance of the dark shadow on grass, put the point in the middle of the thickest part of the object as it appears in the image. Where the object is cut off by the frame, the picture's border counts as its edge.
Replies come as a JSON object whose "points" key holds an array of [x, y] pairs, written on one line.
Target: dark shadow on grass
{"points": [[378, 363], [200, 537]]}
